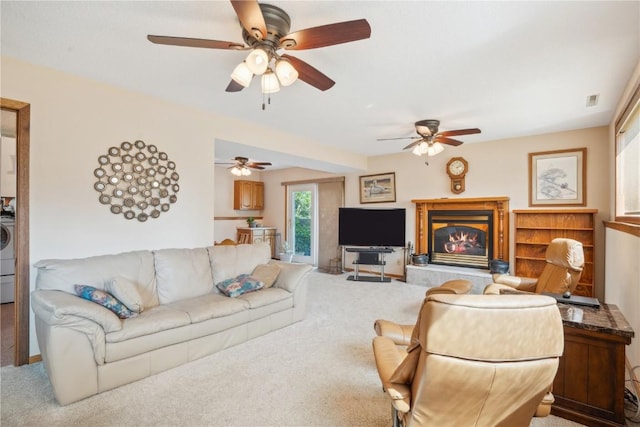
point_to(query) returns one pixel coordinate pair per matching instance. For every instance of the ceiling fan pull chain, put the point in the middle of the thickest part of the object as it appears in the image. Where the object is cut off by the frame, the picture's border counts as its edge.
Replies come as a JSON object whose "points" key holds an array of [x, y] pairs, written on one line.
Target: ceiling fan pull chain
{"points": [[268, 100]]}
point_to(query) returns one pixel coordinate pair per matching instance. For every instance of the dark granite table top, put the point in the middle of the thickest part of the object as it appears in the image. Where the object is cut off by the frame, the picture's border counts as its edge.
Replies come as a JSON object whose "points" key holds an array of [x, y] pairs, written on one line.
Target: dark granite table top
{"points": [[607, 319]]}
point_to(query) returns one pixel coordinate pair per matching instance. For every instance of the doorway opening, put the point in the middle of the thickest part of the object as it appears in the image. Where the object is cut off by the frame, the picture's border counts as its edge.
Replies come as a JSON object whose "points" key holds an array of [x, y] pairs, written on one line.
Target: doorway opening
{"points": [[302, 223], [20, 314]]}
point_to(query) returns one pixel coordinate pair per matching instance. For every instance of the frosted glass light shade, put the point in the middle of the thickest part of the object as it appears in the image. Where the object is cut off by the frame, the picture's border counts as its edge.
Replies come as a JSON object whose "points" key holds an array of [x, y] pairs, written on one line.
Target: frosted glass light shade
{"points": [[420, 149], [428, 149], [242, 75], [434, 149], [257, 61], [240, 171], [285, 72], [270, 82]]}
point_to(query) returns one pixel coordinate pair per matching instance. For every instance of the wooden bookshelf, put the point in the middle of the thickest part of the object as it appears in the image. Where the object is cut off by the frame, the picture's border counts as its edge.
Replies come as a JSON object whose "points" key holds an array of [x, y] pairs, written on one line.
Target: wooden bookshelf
{"points": [[534, 230]]}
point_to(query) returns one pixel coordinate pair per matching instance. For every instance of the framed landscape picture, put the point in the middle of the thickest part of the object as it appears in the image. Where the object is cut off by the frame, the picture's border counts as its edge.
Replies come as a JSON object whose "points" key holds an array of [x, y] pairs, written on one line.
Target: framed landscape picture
{"points": [[378, 188], [558, 178]]}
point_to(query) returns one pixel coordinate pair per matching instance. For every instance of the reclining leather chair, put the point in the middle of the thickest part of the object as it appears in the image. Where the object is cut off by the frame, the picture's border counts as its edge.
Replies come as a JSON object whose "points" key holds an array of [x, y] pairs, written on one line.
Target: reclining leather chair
{"points": [[401, 334], [565, 261], [473, 360]]}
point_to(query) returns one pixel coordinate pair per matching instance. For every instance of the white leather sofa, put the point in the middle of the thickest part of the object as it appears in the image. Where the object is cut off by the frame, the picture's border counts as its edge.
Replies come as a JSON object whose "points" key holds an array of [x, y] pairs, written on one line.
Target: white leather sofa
{"points": [[88, 349]]}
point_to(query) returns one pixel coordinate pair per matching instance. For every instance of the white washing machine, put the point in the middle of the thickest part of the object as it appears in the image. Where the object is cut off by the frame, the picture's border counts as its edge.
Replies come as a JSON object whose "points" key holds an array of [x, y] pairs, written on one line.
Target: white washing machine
{"points": [[7, 259]]}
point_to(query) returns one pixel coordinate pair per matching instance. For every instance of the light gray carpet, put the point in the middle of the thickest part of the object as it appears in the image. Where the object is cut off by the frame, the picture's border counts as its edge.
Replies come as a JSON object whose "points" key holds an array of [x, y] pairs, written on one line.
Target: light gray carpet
{"points": [[318, 372]]}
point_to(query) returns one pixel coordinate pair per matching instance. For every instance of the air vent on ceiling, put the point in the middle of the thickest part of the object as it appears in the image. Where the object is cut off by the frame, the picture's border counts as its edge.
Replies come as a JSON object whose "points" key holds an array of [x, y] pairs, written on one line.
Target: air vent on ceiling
{"points": [[592, 100]]}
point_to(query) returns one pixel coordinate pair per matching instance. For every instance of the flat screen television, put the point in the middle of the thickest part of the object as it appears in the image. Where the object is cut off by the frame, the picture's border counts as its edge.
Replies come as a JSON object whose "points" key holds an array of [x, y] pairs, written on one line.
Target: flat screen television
{"points": [[371, 227]]}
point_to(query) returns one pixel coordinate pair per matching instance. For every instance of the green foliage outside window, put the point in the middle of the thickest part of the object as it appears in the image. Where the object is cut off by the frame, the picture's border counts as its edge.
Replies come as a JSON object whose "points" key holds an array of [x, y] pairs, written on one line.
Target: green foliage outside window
{"points": [[302, 203]]}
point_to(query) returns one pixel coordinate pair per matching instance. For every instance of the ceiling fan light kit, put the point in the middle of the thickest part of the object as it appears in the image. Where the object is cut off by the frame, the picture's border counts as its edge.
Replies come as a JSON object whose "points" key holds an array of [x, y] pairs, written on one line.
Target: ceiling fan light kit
{"points": [[242, 74], [257, 61], [240, 171], [265, 30], [241, 166], [270, 82], [285, 72], [428, 149], [429, 140]]}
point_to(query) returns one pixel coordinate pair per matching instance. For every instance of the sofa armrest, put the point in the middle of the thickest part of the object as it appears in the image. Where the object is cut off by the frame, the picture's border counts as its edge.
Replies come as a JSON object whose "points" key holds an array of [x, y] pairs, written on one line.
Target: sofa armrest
{"points": [[291, 275], [63, 322], [60, 308]]}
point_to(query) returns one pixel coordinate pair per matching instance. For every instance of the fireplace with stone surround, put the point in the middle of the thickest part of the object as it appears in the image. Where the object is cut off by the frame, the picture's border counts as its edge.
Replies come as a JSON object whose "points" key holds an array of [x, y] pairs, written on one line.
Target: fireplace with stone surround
{"points": [[463, 232]]}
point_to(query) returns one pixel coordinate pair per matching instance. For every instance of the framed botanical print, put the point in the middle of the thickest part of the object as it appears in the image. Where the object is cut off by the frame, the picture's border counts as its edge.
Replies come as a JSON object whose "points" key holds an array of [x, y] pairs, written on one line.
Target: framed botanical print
{"points": [[558, 178]]}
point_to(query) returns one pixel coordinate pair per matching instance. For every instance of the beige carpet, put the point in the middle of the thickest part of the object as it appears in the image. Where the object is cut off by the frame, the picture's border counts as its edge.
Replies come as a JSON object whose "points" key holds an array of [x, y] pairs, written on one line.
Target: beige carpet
{"points": [[318, 372]]}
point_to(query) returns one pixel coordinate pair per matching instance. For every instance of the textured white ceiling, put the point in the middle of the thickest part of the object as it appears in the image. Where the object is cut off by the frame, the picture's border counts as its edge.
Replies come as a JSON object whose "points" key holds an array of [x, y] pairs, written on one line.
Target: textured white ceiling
{"points": [[509, 68]]}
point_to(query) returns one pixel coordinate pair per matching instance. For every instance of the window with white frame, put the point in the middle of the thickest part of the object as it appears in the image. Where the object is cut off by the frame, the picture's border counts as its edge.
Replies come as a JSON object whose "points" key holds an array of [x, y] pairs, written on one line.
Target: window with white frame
{"points": [[628, 163]]}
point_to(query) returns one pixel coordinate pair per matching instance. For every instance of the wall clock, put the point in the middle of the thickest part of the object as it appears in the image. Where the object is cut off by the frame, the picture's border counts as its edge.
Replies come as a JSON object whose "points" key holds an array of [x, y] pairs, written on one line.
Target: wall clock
{"points": [[457, 168]]}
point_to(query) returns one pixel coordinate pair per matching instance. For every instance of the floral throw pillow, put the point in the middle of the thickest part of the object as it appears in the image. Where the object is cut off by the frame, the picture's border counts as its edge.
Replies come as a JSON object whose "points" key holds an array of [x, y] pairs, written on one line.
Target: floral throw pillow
{"points": [[239, 285], [104, 299]]}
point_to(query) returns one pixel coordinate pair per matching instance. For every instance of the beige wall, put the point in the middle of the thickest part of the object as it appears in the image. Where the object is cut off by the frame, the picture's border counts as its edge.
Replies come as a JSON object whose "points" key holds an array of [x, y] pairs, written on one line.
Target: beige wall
{"points": [[74, 120], [622, 279], [497, 168]]}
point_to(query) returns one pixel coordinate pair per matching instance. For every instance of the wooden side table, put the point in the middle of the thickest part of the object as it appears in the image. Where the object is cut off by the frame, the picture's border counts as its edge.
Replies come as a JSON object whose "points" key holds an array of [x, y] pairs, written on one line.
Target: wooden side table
{"points": [[589, 386]]}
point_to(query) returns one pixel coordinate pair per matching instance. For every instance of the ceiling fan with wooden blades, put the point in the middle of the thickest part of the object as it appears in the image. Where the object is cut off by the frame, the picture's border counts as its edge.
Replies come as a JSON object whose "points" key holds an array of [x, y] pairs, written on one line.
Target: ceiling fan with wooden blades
{"points": [[265, 30], [242, 165], [429, 140]]}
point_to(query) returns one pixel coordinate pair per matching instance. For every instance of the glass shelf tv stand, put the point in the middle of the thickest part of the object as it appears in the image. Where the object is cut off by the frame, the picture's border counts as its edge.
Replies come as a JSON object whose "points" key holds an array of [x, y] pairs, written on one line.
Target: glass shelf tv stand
{"points": [[369, 256]]}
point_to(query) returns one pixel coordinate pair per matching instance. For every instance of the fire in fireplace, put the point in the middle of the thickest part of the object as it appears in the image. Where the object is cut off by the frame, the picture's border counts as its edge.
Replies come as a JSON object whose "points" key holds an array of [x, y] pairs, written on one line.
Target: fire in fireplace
{"points": [[461, 238]]}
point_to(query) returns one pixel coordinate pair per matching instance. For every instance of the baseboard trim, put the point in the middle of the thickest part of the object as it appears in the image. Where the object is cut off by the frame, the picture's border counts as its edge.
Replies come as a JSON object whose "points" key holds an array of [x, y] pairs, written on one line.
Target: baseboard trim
{"points": [[35, 359]]}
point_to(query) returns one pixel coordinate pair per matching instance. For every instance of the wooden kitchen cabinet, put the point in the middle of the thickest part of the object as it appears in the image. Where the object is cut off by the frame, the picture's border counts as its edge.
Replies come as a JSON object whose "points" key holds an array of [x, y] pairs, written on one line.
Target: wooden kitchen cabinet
{"points": [[258, 235], [248, 195], [534, 230]]}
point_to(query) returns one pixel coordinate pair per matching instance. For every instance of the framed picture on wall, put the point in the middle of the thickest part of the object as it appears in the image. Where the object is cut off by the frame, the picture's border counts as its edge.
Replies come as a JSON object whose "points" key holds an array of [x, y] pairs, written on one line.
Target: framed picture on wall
{"points": [[378, 188], [558, 178]]}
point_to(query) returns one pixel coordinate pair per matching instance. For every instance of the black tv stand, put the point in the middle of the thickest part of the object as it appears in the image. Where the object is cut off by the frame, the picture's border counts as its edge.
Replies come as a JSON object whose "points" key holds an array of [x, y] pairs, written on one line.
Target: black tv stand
{"points": [[369, 256]]}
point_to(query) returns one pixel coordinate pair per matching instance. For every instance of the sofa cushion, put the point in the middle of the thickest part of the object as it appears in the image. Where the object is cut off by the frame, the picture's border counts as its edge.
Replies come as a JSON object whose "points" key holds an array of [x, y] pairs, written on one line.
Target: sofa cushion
{"points": [[230, 261], [149, 322], [127, 292], [210, 306], [103, 298], [239, 285], [96, 271], [268, 296], [182, 274], [266, 273]]}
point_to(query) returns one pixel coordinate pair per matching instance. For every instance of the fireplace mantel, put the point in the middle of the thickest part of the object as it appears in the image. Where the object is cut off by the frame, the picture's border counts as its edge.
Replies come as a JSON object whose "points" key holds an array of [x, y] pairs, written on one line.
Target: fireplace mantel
{"points": [[499, 206]]}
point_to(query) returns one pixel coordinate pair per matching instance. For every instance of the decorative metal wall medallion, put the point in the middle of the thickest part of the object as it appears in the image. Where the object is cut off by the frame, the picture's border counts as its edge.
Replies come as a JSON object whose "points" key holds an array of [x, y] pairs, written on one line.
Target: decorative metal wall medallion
{"points": [[136, 180]]}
